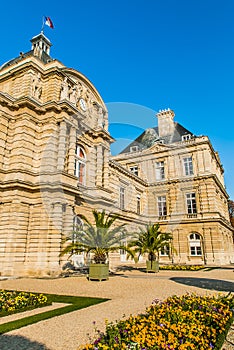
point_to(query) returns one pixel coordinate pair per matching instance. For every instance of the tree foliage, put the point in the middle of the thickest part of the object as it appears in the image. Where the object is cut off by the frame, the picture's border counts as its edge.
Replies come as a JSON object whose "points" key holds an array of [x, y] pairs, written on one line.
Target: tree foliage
{"points": [[151, 241], [99, 238]]}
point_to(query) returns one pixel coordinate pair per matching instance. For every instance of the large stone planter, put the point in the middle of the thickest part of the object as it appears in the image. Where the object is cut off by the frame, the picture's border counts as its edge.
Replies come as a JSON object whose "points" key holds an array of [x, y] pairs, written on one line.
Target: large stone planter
{"points": [[152, 266], [98, 272]]}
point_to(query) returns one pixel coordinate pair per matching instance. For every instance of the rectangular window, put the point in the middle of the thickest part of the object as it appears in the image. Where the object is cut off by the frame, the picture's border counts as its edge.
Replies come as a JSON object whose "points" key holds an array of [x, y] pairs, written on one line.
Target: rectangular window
{"points": [[160, 171], [79, 171], [162, 206], [134, 169], [191, 203], [138, 204], [188, 166], [121, 198], [165, 250], [195, 250]]}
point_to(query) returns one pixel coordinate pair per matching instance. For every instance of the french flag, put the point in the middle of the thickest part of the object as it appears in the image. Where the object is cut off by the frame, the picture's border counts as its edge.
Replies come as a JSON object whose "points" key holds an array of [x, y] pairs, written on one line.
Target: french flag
{"points": [[48, 22]]}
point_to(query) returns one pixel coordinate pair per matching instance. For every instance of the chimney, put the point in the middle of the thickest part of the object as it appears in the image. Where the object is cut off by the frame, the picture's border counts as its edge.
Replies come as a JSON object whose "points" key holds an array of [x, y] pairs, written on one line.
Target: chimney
{"points": [[165, 122]]}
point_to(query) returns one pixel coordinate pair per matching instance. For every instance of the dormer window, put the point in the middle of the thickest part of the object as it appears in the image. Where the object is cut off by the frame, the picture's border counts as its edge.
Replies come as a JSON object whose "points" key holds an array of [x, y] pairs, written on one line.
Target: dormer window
{"points": [[186, 137], [134, 149]]}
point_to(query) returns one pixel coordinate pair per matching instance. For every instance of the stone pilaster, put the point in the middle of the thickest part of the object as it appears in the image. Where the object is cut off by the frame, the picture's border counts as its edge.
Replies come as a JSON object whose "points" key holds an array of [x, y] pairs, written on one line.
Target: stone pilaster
{"points": [[99, 165], [71, 151], [3, 137], [61, 146]]}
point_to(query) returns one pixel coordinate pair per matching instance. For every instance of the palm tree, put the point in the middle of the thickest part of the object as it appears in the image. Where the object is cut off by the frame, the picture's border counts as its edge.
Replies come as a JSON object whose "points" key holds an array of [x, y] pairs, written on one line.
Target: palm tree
{"points": [[99, 238], [150, 241]]}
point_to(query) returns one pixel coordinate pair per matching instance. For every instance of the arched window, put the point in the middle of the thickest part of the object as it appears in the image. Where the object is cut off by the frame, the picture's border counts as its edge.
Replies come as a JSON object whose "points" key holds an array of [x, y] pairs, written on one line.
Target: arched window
{"points": [[80, 160], [195, 244]]}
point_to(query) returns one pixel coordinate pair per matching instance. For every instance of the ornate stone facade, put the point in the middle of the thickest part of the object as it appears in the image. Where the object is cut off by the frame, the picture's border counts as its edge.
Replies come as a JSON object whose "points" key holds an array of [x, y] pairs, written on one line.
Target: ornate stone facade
{"points": [[55, 164]]}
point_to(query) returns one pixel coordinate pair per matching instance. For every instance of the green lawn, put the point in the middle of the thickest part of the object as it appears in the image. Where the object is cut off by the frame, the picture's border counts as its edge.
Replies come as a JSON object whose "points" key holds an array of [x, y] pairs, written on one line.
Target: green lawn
{"points": [[75, 303]]}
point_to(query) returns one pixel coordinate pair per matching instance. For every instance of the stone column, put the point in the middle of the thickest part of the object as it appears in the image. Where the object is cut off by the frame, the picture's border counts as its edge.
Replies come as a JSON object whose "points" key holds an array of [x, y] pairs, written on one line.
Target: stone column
{"points": [[54, 237], [99, 165], [68, 215], [71, 151], [212, 244], [61, 146]]}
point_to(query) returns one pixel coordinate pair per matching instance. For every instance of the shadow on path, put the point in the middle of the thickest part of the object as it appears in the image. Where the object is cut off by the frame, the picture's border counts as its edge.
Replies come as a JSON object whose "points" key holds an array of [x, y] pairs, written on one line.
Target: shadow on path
{"points": [[126, 268], [206, 283], [17, 342]]}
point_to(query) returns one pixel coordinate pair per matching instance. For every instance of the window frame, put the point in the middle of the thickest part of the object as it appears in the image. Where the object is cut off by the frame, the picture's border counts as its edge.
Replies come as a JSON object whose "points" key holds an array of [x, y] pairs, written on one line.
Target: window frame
{"points": [[165, 251], [134, 169], [162, 206], [134, 148], [186, 137], [188, 166], [191, 203], [195, 244], [160, 170], [80, 164]]}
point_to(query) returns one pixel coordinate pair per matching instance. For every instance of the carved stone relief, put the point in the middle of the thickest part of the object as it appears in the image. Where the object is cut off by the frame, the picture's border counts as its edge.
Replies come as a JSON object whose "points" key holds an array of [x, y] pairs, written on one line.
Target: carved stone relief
{"points": [[37, 86], [74, 92]]}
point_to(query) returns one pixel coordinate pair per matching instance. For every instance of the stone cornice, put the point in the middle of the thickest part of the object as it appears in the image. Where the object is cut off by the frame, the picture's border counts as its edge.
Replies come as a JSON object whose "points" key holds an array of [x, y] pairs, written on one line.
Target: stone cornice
{"points": [[102, 133], [31, 62], [189, 180], [121, 169], [192, 221], [40, 108]]}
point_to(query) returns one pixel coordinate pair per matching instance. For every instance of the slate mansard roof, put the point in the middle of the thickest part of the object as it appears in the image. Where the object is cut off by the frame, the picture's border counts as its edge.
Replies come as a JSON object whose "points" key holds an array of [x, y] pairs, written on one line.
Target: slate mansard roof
{"points": [[151, 136]]}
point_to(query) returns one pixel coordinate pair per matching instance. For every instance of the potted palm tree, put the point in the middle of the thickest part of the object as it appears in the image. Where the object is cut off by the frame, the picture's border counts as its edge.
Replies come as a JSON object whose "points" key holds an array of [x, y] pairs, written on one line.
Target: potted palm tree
{"points": [[150, 241], [100, 239]]}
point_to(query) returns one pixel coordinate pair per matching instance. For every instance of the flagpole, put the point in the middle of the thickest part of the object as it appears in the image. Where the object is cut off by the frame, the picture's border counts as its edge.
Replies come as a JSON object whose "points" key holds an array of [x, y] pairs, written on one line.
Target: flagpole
{"points": [[43, 24]]}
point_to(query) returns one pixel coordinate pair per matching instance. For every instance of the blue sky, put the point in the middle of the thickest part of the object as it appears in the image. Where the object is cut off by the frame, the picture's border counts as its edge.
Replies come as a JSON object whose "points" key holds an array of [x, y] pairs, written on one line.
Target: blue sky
{"points": [[142, 56]]}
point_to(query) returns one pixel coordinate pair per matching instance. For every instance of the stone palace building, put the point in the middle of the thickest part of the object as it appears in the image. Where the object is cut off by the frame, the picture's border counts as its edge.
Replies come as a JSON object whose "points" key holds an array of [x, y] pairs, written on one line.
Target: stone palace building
{"points": [[55, 164]]}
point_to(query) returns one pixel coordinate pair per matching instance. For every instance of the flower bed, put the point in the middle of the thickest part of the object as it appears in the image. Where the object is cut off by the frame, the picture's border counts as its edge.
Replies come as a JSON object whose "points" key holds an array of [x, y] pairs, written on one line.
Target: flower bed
{"points": [[188, 322], [13, 301], [182, 267]]}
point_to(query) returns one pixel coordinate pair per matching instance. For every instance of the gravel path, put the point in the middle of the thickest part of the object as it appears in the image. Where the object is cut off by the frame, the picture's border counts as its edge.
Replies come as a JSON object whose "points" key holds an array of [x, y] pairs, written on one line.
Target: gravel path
{"points": [[129, 292]]}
